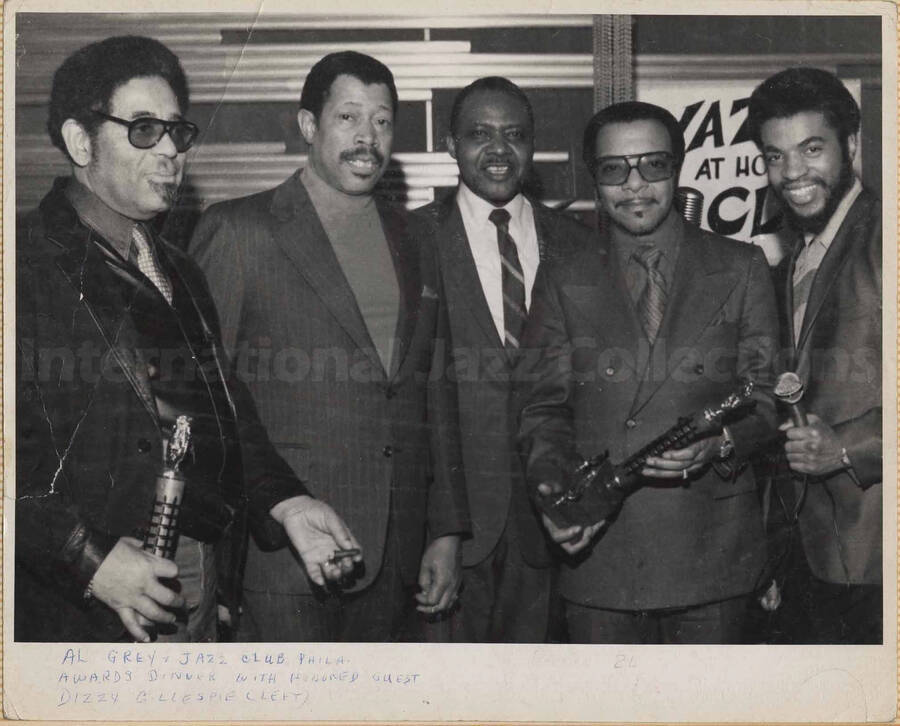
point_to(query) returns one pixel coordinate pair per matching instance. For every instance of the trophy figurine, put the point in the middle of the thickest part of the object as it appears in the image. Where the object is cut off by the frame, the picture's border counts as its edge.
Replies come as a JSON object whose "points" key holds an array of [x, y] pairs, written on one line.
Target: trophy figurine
{"points": [[162, 535], [600, 486]]}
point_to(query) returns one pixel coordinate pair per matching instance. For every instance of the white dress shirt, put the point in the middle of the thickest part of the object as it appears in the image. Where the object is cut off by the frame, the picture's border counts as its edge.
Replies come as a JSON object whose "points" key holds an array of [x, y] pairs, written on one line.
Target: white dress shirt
{"points": [[482, 236]]}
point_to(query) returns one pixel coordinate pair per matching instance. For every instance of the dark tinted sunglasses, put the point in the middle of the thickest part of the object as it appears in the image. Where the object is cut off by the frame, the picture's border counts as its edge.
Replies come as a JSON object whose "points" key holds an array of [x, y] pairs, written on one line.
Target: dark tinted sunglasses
{"points": [[653, 167], [146, 132]]}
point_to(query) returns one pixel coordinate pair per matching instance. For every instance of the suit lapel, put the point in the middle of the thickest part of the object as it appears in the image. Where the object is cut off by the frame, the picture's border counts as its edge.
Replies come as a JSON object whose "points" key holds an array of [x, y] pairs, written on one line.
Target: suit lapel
{"points": [[405, 253], [461, 273], [606, 303], [828, 271], [789, 304], [702, 284], [107, 290], [310, 251]]}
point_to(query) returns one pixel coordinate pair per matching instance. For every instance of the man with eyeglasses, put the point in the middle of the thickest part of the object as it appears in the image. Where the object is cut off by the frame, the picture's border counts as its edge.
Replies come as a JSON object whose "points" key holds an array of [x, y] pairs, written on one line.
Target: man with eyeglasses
{"points": [[491, 238], [660, 321], [117, 343]]}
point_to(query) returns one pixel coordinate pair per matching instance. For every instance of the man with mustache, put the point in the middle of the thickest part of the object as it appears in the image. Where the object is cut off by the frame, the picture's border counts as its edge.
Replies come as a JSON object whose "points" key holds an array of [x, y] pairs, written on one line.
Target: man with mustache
{"points": [[117, 339], [489, 264], [332, 311], [661, 320], [806, 124]]}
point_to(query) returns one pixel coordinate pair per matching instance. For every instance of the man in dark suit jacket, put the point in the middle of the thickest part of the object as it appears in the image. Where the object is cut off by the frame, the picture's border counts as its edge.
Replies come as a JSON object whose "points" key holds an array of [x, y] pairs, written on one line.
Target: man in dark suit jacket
{"points": [[806, 124], [332, 311], [117, 338], [660, 321], [506, 573]]}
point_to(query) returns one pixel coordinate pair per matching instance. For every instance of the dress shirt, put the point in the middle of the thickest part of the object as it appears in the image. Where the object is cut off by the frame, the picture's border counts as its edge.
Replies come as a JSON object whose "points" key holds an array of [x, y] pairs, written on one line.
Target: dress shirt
{"points": [[813, 252], [482, 237]]}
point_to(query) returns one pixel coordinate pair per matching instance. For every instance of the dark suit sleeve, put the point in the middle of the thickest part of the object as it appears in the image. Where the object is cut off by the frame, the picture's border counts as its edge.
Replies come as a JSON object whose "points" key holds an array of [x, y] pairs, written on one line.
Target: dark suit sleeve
{"points": [[216, 248], [543, 386], [53, 540], [268, 479], [861, 435], [756, 354], [448, 507]]}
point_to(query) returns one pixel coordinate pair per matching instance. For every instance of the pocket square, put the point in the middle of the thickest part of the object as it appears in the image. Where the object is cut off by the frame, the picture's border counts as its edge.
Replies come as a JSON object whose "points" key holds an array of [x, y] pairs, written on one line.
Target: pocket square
{"points": [[427, 292]]}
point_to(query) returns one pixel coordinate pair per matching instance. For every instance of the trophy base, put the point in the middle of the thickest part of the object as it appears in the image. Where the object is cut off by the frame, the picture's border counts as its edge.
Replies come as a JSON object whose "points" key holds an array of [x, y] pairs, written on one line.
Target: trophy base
{"points": [[595, 505]]}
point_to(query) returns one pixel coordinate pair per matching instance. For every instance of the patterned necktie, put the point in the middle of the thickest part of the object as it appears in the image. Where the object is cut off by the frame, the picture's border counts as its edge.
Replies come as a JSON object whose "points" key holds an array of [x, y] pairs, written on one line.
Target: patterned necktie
{"points": [[147, 264], [514, 312], [652, 303], [804, 274]]}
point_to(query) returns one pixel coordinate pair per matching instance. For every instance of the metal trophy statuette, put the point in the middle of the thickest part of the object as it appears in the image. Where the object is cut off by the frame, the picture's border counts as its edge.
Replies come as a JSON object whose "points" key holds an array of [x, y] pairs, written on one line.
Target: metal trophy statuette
{"points": [[599, 486], [162, 535]]}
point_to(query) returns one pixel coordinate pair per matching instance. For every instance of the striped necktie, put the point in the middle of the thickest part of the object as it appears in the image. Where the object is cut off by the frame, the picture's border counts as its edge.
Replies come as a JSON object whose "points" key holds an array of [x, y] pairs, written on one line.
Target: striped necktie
{"points": [[147, 264], [805, 269], [652, 303], [514, 312]]}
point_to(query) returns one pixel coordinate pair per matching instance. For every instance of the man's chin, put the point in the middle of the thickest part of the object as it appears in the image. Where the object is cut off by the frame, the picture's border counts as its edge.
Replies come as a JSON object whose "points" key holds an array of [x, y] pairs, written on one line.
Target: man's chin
{"points": [[167, 192]]}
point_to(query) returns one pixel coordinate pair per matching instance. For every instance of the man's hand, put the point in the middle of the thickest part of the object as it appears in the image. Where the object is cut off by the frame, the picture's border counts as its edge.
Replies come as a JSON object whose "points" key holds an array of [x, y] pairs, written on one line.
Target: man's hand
{"points": [[813, 449], [681, 463], [128, 581], [316, 532], [572, 539], [440, 575]]}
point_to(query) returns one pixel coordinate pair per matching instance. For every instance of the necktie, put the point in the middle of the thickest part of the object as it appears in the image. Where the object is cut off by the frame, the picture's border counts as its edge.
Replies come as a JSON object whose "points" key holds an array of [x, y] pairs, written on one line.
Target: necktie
{"points": [[147, 264], [652, 303], [804, 274], [514, 312]]}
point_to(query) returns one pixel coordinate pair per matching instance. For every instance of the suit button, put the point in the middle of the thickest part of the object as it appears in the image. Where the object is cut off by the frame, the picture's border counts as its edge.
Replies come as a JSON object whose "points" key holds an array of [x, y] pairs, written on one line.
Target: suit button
{"points": [[388, 452], [698, 369], [390, 393], [610, 371], [144, 445], [631, 423]]}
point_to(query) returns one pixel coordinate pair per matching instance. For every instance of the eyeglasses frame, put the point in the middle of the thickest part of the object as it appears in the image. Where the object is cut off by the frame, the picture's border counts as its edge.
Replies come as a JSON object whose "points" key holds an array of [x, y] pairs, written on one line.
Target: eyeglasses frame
{"points": [[167, 128]]}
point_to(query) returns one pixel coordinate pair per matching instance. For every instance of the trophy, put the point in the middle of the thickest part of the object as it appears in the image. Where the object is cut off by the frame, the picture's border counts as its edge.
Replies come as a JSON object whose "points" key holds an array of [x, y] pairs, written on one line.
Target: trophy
{"points": [[600, 486], [162, 535]]}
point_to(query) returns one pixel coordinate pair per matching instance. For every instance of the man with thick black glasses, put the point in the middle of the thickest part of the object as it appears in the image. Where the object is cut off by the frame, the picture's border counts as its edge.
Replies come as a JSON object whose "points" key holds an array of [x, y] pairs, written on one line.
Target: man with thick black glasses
{"points": [[659, 321], [117, 345]]}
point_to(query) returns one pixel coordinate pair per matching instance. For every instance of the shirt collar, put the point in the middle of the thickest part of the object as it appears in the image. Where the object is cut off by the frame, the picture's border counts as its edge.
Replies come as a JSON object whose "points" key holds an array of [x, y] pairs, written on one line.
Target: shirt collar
{"points": [[475, 208], [114, 227], [827, 235]]}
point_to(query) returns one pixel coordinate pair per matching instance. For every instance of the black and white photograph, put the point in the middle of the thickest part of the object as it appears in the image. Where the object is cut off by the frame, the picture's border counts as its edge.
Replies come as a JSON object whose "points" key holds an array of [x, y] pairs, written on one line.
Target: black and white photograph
{"points": [[430, 364]]}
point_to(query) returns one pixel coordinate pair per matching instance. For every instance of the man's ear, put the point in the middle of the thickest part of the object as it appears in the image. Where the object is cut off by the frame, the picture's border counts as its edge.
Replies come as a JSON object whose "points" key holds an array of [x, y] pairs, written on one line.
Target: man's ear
{"points": [[78, 142], [852, 145], [451, 145], [307, 123]]}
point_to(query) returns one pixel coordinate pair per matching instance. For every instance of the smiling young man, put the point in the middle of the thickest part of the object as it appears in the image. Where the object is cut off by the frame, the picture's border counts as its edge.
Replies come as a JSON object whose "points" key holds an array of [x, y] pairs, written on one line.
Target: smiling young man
{"points": [[491, 239], [806, 124], [116, 341], [661, 320], [332, 311]]}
